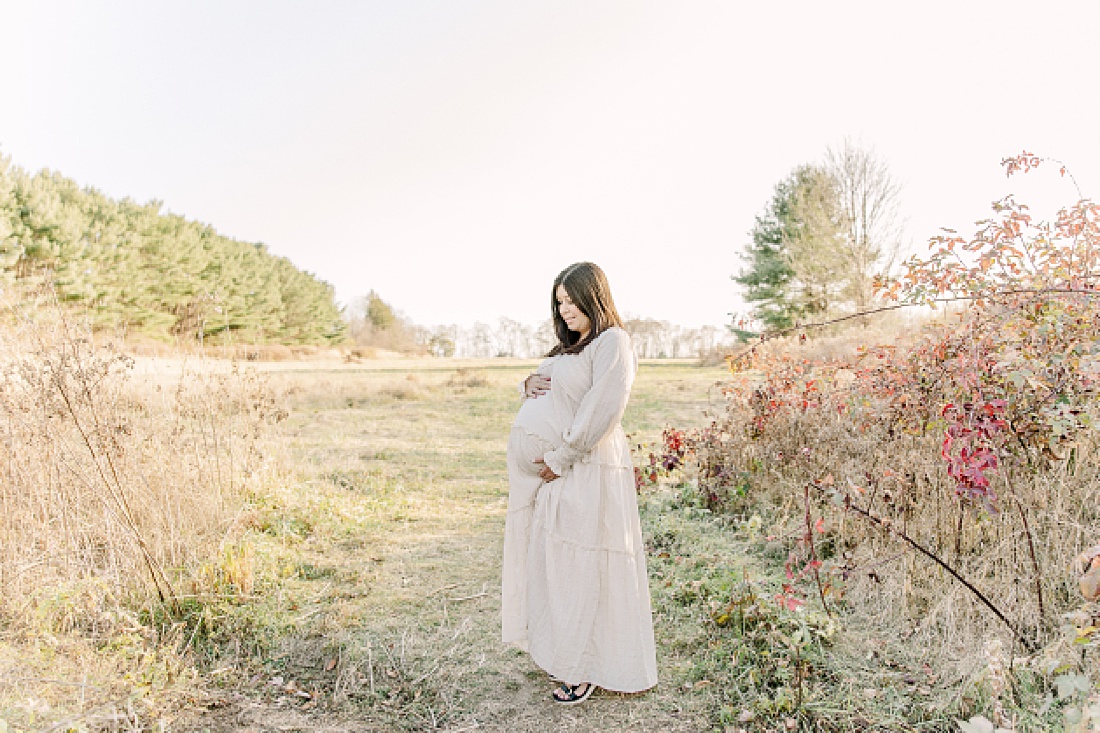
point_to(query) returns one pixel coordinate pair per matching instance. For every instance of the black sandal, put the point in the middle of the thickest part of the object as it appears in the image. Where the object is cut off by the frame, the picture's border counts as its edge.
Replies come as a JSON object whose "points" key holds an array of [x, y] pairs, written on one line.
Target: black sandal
{"points": [[569, 695]]}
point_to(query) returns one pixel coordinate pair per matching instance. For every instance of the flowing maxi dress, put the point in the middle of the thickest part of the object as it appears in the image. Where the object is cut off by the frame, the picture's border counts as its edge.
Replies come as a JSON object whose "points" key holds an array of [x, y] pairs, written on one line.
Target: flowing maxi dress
{"points": [[575, 593]]}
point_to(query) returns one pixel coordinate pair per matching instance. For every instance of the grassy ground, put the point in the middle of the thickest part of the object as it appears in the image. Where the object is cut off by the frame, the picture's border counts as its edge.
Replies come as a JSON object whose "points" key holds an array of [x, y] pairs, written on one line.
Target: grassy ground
{"points": [[358, 591], [376, 566]]}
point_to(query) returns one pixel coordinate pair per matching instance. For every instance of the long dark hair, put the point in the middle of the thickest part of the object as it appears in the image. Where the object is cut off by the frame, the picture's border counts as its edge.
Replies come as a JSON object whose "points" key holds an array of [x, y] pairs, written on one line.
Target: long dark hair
{"points": [[588, 289]]}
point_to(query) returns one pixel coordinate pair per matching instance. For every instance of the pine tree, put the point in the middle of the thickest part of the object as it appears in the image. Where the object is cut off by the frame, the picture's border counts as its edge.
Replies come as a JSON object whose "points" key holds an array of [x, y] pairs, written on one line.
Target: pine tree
{"points": [[138, 268], [794, 266], [10, 251]]}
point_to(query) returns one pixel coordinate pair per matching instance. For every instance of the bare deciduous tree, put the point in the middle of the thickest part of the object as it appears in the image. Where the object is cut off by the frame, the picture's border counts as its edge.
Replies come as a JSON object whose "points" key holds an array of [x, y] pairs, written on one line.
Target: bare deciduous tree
{"points": [[869, 201]]}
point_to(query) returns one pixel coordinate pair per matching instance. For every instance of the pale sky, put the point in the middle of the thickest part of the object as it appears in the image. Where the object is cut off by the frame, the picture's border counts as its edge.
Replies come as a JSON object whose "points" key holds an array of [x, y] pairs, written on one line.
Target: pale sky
{"points": [[455, 155]]}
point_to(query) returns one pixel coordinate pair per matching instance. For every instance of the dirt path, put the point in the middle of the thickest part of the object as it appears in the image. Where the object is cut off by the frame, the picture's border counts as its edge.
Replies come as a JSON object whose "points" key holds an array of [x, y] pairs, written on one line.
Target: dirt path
{"points": [[394, 496]]}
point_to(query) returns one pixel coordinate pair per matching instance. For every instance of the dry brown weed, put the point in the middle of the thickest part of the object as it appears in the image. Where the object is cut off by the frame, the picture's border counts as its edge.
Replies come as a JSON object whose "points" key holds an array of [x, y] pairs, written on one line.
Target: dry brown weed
{"points": [[116, 497]]}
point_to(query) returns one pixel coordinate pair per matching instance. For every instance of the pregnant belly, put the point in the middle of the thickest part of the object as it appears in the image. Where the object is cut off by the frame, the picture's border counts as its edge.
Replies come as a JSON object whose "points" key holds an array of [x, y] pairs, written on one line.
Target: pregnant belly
{"points": [[524, 449], [537, 417]]}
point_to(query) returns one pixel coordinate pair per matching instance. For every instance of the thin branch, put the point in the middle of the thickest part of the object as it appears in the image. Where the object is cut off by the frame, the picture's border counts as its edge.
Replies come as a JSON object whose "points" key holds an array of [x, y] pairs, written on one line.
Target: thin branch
{"points": [[813, 554], [778, 333], [1034, 559], [889, 527]]}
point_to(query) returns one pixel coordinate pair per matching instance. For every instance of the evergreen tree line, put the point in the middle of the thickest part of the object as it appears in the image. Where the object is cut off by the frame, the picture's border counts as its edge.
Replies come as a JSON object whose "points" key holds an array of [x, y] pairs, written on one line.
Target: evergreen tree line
{"points": [[829, 228], [137, 269]]}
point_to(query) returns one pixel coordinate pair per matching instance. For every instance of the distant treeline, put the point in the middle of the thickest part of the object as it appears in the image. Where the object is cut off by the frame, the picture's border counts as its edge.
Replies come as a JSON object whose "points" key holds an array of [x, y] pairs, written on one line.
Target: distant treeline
{"points": [[138, 269], [375, 325]]}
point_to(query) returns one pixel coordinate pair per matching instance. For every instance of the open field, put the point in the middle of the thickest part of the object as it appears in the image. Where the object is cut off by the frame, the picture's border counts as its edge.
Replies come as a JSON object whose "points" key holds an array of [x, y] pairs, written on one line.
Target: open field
{"points": [[354, 587], [389, 516]]}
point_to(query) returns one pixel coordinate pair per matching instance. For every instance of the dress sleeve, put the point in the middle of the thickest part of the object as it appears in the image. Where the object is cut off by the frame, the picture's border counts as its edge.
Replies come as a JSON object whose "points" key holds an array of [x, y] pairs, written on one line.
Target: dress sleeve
{"points": [[601, 409]]}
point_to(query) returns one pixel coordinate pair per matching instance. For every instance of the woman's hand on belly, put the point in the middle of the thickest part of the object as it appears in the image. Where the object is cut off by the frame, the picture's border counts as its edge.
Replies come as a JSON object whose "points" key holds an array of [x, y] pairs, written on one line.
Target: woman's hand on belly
{"points": [[536, 385], [546, 473]]}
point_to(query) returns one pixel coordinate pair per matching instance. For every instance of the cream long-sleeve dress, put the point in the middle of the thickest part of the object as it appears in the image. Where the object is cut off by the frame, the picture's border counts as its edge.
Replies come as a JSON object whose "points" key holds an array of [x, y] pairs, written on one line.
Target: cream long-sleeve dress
{"points": [[575, 589]]}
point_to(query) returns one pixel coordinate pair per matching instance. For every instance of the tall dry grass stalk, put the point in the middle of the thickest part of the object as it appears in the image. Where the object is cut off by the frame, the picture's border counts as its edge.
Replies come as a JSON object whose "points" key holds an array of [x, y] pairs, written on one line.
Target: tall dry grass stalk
{"points": [[112, 490]]}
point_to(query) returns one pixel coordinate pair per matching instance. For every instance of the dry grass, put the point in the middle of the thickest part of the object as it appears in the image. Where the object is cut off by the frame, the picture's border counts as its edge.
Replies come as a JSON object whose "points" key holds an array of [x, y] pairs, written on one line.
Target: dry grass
{"points": [[392, 509], [116, 496], [339, 570], [346, 578]]}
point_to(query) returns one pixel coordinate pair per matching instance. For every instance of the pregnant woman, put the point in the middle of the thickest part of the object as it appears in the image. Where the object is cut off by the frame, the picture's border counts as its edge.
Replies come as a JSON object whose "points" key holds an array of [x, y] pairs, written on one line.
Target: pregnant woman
{"points": [[575, 590]]}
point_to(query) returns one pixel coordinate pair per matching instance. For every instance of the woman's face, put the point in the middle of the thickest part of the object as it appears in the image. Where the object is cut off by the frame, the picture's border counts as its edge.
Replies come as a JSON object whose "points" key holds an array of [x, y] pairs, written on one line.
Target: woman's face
{"points": [[571, 314]]}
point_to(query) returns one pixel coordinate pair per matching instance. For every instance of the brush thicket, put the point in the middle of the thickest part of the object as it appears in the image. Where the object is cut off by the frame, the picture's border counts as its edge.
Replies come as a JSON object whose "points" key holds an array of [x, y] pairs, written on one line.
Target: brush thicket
{"points": [[805, 439]]}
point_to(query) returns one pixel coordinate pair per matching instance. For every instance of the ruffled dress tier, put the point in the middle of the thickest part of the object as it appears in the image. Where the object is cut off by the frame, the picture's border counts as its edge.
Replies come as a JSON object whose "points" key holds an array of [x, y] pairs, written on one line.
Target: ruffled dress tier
{"points": [[575, 592]]}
